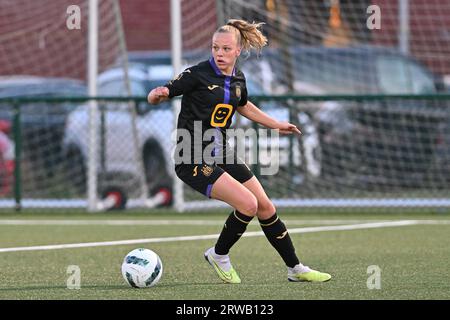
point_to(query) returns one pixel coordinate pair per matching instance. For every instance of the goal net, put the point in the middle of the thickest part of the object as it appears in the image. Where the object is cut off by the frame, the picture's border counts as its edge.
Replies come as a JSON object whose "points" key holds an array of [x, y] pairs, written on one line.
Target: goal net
{"points": [[354, 152], [329, 63]]}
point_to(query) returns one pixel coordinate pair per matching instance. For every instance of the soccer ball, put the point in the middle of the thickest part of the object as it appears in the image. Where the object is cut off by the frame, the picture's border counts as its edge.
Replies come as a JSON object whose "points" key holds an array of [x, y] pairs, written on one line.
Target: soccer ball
{"points": [[142, 268]]}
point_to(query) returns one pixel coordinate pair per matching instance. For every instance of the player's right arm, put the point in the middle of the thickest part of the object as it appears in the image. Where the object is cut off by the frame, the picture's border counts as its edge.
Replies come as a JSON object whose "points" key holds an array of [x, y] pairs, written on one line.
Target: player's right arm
{"points": [[183, 83], [158, 95]]}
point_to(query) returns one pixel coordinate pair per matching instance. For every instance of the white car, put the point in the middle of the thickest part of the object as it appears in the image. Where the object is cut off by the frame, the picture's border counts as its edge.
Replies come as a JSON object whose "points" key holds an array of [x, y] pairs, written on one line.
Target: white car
{"points": [[120, 151]]}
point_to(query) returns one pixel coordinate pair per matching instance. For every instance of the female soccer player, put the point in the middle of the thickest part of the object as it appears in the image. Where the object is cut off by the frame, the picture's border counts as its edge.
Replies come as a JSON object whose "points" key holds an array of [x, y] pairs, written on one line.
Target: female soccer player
{"points": [[212, 91]]}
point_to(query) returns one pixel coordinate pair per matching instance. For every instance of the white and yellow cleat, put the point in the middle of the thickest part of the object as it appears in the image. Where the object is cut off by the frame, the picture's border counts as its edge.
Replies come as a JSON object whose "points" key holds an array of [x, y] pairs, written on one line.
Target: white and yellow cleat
{"points": [[301, 273], [222, 266]]}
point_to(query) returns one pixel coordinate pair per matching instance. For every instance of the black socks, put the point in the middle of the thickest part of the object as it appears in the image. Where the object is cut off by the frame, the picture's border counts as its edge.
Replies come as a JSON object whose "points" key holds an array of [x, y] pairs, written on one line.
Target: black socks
{"points": [[279, 238], [232, 230], [273, 228]]}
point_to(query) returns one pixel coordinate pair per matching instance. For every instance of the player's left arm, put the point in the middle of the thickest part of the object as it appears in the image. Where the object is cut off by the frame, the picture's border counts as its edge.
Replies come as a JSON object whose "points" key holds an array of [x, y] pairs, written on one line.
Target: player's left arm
{"points": [[253, 113]]}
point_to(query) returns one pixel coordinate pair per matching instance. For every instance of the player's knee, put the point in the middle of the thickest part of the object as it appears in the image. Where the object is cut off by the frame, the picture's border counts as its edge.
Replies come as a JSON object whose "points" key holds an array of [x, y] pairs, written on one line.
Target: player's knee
{"points": [[250, 206], [266, 209]]}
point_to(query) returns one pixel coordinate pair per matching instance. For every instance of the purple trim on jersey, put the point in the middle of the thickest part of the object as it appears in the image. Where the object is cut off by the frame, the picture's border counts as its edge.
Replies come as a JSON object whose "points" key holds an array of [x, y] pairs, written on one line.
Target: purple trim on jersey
{"points": [[216, 142], [208, 190], [214, 66], [226, 98], [226, 89]]}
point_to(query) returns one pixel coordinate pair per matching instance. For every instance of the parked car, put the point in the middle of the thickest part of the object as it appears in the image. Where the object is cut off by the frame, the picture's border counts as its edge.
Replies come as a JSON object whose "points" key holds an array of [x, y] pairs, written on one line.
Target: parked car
{"points": [[120, 153], [42, 124], [379, 143], [344, 70]]}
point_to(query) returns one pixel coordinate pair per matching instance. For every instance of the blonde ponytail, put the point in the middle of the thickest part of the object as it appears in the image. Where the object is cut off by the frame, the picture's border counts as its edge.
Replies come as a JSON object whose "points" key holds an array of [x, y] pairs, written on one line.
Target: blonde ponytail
{"points": [[249, 35]]}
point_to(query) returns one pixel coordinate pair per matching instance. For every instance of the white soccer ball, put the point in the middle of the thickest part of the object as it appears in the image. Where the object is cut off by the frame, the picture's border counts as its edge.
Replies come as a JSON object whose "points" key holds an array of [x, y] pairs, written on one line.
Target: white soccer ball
{"points": [[142, 268]]}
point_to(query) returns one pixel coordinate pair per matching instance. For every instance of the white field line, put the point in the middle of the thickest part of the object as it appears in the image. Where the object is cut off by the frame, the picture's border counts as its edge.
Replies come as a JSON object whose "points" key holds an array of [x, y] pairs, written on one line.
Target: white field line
{"points": [[56, 222], [214, 236]]}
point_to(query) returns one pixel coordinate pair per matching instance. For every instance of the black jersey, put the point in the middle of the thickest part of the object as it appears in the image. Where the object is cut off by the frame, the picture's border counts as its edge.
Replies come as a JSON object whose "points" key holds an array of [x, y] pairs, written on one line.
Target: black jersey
{"points": [[210, 98]]}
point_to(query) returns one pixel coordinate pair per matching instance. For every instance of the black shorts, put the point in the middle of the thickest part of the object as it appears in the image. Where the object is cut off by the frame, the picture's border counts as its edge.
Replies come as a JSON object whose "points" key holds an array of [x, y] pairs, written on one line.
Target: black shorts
{"points": [[201, 177]]}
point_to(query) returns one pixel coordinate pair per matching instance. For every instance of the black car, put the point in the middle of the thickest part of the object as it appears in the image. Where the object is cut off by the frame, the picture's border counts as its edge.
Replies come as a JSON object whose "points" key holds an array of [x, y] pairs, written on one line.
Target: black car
{"points": [[377, 144], [42, 124]]}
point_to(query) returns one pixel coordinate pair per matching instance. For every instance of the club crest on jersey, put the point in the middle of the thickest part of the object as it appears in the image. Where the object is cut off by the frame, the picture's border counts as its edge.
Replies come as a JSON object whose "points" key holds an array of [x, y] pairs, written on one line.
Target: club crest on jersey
{"points": [[238, 92], [207, 170]]}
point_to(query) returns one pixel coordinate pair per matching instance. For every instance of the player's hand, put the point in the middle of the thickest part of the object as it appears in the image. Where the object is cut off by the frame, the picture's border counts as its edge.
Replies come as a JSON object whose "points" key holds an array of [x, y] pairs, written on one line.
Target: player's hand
{"points": [[158, 94], [288, 128]]}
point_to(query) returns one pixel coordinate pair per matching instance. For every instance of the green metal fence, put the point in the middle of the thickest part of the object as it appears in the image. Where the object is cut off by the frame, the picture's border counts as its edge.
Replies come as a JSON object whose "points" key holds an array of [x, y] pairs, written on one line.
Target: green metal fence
{"points": [[356, 150]]}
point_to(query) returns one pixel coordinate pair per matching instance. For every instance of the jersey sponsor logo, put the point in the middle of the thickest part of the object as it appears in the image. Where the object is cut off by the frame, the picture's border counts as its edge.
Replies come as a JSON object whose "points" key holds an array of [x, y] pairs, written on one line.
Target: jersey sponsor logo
{"points": [[212, 87], [221, 114], [207, 170]]}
